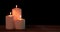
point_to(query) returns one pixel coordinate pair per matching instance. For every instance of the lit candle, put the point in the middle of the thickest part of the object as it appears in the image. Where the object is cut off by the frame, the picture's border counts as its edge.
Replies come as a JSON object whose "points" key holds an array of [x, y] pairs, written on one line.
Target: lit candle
{"points": [[20, 23], [16, 12], [9, 22]]}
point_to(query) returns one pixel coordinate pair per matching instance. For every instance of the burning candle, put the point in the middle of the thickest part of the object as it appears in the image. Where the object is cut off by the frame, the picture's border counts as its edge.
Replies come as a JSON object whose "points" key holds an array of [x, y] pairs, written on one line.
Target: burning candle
{"points": [[18, 20], [15, 20], [9, 21], [16, 12], [20, 23]]}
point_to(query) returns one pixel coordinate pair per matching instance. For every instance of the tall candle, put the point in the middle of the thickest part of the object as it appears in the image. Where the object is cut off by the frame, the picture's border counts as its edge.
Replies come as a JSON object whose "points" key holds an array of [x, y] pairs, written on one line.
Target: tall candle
{"points": [[9, 22], [16, 12], [19, 22]]}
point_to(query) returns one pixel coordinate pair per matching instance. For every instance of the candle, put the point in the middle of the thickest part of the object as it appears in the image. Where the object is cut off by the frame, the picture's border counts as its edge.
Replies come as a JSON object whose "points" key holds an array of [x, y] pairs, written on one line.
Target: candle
{"points": [[9, 22], [15, 21], [16, 12], [20, 23]]}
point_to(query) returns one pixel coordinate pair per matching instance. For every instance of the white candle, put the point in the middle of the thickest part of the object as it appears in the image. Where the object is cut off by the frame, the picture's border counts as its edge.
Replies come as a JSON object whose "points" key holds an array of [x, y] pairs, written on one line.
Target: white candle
{"points": [[9, 22], [20, 24]]}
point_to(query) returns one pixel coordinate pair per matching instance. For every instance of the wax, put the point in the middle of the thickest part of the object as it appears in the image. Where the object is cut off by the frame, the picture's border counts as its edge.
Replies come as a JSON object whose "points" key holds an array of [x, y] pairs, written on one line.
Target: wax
{"points": [[20, 24], [16, 12], [9, 22], [15, 21]]}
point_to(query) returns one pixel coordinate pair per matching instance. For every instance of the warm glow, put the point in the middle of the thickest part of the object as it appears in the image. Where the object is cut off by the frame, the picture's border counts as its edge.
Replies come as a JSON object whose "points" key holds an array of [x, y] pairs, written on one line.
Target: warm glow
{"points": [[16, 6], [20, 16], [10, 13], [16, 13]]}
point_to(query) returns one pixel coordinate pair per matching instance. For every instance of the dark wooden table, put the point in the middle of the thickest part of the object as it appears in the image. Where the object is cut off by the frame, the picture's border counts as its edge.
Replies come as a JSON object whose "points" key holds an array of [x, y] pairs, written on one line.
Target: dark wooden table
{"points": [[34, 28]]}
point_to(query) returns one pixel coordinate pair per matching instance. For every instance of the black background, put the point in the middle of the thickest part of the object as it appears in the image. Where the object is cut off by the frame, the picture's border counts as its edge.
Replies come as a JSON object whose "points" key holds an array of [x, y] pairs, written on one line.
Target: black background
{"points": [[35, 12]]}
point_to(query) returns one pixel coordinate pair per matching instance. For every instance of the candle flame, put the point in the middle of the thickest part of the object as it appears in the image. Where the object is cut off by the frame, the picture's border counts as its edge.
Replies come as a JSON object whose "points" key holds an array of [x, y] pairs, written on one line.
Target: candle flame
{"points": [[16, 6], [10, 13], [20, 16]]}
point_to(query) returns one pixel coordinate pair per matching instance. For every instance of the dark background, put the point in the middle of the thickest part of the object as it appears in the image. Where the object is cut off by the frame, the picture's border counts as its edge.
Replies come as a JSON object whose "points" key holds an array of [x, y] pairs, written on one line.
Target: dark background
{"points": [[35, 12]]}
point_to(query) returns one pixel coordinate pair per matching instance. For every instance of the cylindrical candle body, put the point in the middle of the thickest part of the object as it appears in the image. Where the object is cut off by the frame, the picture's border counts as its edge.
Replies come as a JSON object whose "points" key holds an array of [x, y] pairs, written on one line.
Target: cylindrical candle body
{"points": [[16, 12], [20, 24], [9, 22]]}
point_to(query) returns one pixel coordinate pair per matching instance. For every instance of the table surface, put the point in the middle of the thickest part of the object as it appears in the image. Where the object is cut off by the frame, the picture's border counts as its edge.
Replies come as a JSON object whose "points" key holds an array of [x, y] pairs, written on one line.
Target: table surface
{"points": [[34, 28]]}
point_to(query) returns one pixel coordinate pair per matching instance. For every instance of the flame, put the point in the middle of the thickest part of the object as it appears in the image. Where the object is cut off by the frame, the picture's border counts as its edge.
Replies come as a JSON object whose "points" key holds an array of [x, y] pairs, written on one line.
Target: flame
{"points": [[16, 6], [20, 16], [10, 13]]}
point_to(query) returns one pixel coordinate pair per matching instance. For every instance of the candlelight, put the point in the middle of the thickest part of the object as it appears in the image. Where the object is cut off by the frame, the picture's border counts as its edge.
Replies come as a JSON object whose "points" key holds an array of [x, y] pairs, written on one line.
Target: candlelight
{"points": [[10, 13], [16, 6], [15, 20], [20, 16]]}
